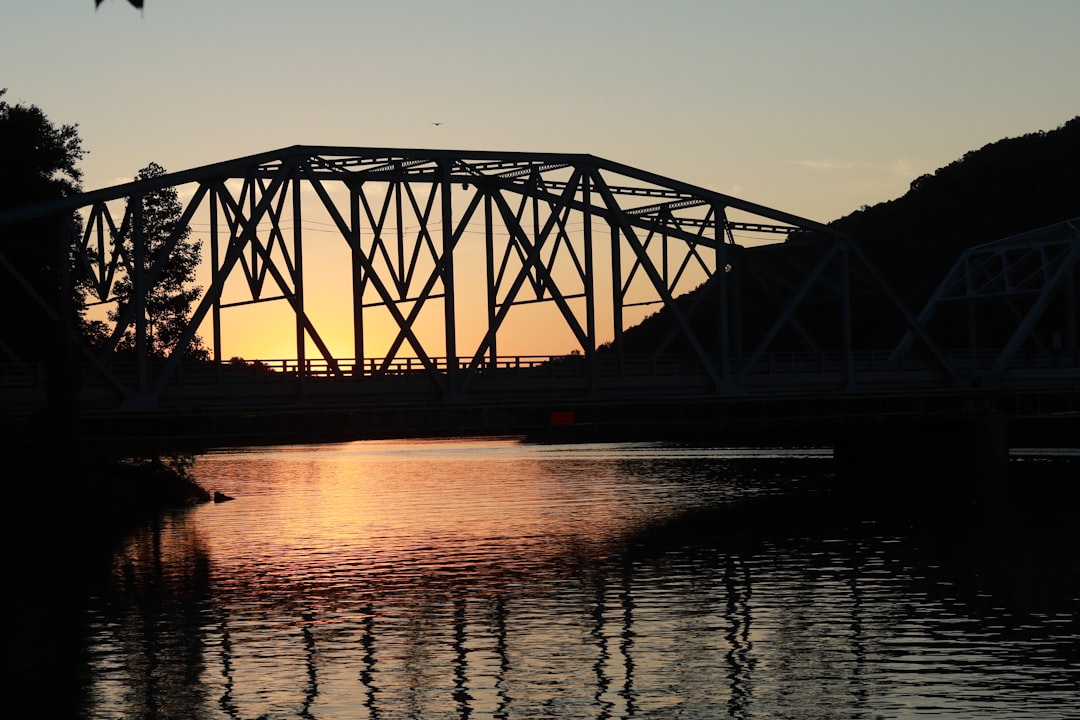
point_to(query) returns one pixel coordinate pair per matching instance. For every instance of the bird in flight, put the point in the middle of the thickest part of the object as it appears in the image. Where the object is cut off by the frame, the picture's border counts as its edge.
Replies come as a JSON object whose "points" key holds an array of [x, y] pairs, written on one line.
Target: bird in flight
{"points": [[436, 123]]}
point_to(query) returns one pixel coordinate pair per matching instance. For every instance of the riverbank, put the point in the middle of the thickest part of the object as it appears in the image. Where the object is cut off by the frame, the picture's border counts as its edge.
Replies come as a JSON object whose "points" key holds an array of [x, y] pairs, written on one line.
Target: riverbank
{"points": [[91, 495]]}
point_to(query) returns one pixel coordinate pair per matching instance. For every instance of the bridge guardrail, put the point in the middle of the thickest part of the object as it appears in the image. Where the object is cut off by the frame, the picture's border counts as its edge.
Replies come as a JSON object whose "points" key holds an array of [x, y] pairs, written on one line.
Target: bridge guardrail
{"points": [[264, 383], [770, 364]]}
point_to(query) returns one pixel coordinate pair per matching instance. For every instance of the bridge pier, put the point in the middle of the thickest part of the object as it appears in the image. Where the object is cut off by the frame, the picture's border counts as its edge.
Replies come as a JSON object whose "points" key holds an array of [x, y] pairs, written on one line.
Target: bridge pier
{"points": [[924, 464]]}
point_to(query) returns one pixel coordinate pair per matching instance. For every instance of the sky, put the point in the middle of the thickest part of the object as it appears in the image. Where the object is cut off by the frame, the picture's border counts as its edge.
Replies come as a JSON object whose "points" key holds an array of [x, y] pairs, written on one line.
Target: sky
{"points": [[813, 108]]}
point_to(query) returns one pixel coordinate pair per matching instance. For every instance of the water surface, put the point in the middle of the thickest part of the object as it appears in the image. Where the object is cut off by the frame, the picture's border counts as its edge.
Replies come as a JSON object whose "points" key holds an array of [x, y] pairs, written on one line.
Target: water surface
{"points": [[492, 579]]}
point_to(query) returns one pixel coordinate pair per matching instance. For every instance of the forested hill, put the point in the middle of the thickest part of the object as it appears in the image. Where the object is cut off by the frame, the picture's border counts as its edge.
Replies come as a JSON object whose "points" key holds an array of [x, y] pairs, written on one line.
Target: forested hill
{"points": [[1004, 188]]}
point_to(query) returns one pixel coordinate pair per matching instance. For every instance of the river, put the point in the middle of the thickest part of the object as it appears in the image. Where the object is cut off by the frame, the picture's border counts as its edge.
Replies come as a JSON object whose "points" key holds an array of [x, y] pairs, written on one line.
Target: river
{"points": [[490, 578]]}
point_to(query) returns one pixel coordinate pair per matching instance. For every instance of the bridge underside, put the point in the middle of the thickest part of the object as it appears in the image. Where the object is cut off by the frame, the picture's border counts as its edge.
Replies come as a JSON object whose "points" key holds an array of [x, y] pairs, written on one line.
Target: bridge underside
{"points": [[1048, 418], [410, 279]]}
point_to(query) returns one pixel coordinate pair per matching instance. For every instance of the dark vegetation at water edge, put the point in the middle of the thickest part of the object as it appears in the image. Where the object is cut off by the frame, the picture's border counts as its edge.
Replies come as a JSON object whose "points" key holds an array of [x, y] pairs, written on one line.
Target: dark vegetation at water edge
{"points": [[50, 475], [82, 490]]}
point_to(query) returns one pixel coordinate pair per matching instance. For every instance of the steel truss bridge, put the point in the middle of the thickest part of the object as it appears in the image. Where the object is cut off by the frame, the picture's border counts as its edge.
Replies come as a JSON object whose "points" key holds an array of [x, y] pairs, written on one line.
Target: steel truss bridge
{"points": [[478, 282]]}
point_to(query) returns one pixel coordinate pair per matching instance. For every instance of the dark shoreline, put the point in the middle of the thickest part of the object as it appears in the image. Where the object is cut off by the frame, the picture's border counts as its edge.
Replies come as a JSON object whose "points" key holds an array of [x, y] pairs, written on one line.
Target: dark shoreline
{"points": [[91, 496]]}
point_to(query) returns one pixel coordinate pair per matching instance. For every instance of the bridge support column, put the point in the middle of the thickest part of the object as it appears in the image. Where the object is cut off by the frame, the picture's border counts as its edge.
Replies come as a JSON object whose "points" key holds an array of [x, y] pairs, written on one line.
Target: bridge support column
{"points": [[931, 465]]}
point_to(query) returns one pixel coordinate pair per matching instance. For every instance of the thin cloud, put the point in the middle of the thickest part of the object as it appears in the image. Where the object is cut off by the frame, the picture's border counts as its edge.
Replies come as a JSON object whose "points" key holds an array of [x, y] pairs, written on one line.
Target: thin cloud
{"points": [[904, 168], [827, 165], [900, 167]]}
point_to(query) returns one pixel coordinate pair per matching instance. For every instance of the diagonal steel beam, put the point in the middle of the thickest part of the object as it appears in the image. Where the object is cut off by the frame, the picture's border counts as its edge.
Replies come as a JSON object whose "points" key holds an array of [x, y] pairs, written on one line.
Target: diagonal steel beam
{"points": [[627, 232]]}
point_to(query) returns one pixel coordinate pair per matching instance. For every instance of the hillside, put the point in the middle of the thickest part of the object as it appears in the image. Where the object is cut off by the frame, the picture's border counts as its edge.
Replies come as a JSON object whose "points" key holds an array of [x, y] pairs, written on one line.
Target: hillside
{"points": [[1004, 188]]}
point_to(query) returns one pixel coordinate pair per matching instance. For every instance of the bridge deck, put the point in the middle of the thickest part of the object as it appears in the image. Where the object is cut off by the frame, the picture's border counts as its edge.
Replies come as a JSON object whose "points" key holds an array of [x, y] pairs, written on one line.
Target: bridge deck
{"points": [[801, 397]]}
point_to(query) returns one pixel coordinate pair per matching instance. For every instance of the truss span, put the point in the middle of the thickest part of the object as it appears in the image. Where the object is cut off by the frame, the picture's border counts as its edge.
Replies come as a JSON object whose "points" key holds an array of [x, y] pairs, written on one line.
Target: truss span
{"points": [[459, 265]]}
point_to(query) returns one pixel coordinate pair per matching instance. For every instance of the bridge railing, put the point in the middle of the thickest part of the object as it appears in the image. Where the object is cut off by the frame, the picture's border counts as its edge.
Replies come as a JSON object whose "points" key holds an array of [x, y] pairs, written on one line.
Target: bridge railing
{"points": [[26, 387], [770, 365], [533, 366]]}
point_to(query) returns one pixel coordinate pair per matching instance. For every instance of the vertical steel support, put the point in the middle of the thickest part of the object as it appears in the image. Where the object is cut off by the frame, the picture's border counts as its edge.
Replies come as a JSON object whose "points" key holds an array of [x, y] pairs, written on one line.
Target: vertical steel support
{"points": [[664, 261], [721, 290], [396, 189], [215, 271], [616, 292], [492, 291], [357, 282], [590, 284], [537, 242], [248, 192], [735, 309], [448, 278], [298, 272]]}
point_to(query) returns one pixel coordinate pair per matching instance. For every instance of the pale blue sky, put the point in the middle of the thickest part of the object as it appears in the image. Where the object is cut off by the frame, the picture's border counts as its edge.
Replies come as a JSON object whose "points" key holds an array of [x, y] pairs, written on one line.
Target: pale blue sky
{"points": [[812, 107]]}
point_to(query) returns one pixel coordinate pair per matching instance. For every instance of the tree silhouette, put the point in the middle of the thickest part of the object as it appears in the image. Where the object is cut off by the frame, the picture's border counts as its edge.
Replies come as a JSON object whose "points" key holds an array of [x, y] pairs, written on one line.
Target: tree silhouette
{"points": [[168, 302], [41, 311]]}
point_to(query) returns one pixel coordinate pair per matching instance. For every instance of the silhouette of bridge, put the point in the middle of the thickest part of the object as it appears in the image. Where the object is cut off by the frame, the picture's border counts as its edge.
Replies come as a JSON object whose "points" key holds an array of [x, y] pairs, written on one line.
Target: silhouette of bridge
{"points": [[463, 254]]}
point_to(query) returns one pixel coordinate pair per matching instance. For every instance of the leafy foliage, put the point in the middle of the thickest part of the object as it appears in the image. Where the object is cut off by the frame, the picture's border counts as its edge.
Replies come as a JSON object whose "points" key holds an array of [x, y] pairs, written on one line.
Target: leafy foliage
{"points": [[168, 301], [40, 164], [43, 315], [40, 160]]}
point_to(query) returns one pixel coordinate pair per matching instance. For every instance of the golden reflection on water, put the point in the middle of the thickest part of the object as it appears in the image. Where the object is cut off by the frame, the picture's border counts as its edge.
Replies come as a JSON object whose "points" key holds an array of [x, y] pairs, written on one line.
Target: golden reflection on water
{"points": [[489, 579], [389, 509]]}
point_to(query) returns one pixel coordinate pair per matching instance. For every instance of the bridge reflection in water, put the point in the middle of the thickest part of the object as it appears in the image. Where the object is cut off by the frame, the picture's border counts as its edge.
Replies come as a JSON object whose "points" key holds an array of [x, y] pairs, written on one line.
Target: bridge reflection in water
{"points": [[596, 581], [490, 655]]}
